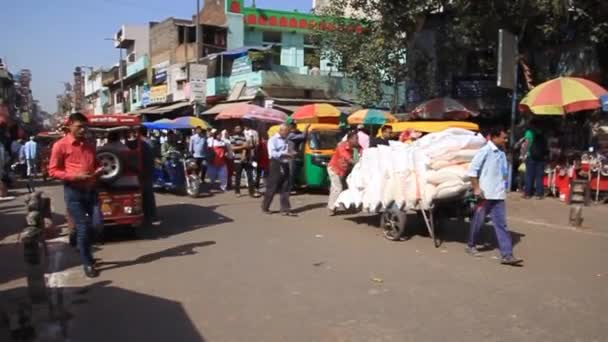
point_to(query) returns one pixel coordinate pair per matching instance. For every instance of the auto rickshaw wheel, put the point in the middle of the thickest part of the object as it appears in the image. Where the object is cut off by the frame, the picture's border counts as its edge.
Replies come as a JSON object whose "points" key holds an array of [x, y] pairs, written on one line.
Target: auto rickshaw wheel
{"points": [[193, 187], [392, 222], [111, 164]]}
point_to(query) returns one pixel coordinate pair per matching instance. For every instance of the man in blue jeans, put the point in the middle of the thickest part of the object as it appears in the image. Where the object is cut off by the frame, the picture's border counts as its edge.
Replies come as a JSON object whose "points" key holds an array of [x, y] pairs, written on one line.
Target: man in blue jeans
{"points": [[489, 172], [74, 162]]}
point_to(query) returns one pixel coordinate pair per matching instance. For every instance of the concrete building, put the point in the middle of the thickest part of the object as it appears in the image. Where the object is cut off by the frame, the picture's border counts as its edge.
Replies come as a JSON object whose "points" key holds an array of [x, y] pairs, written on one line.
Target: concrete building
{"points": [[172, 47], [97, 94], [135, 41], [271, 58], [78, 90]]}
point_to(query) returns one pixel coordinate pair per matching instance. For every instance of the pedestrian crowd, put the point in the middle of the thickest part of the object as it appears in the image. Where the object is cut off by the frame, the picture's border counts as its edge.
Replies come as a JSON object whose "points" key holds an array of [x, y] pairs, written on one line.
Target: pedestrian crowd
{"points": [[226, 158]]}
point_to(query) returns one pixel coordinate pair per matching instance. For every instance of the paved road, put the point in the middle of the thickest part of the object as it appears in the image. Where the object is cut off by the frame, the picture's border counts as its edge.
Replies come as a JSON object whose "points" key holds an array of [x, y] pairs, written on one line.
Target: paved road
{"points": [[219, 270]]}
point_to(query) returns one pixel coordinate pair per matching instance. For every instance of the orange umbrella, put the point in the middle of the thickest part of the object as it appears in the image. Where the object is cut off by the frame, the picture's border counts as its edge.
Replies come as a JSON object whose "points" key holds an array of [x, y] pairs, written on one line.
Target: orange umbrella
{"points": [[563, 95], [317, 113]]}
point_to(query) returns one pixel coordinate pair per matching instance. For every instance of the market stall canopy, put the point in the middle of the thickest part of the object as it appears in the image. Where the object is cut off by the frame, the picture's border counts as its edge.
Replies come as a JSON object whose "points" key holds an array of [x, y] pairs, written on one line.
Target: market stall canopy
{"points": [[563, 95], [169, 108], [317, 113], [191, 122], [371, 117], [442, 108], [218, 108], [187, 122], [252, 112]]}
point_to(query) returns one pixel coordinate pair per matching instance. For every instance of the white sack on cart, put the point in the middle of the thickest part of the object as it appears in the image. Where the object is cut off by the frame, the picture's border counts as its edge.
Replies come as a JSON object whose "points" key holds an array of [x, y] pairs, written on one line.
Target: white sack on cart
{"points": [[450, 173], [451, 189], [350, 198]]}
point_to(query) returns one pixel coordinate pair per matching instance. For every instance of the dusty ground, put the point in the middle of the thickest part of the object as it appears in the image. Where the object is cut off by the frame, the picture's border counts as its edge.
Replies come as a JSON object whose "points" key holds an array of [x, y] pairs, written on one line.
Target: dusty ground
{"points": [[219, 270]]}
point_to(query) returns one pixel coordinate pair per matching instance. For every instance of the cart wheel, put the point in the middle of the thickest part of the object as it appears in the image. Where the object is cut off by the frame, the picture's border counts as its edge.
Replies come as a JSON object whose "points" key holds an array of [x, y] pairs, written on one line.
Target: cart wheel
{"points": [[437, 224], [392, 223]]}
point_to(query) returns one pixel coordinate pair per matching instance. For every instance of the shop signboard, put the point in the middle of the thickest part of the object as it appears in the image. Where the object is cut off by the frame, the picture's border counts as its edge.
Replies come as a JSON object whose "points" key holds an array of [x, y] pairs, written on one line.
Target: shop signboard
{"points": [[145, 96], [241, 65], [160, 72], [198, 83], [158, 94]]}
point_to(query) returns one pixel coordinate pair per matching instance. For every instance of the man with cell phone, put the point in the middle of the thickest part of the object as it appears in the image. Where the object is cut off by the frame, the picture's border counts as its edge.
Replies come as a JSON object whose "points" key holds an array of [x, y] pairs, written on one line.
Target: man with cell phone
{"points": [[74, 162]]}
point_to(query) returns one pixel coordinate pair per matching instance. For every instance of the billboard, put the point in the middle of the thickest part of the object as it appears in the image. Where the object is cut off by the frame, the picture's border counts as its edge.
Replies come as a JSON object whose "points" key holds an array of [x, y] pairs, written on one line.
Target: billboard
{"points": [[198, 83]]}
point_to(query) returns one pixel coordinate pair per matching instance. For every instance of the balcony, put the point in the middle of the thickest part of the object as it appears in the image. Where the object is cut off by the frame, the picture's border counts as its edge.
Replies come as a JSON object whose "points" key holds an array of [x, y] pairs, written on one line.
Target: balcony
{"points": [[222, 86], [139, 65]]}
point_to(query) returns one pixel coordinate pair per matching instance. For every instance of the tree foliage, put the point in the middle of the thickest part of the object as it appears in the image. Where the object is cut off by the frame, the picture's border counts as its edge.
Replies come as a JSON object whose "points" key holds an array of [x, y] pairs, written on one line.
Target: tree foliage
{"points": [[375, 54], [383, 53]]}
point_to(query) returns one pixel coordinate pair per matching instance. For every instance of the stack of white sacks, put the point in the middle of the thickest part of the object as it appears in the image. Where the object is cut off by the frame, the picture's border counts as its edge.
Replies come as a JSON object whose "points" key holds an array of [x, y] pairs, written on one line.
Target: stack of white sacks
{"points": [[412, 176]]}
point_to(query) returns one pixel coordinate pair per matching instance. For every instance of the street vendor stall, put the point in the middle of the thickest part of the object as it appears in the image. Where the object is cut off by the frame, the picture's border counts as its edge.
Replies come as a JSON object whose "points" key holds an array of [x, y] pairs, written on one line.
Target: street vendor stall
{"points": [[565, 97]]}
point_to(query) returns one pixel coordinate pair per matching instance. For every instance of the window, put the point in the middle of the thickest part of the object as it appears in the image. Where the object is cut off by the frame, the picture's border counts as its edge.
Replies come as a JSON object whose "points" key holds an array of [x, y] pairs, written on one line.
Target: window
{"points": [[180, 85], [186, 34], [324, 140], [312, 57], [275, 54], [271, 37]]}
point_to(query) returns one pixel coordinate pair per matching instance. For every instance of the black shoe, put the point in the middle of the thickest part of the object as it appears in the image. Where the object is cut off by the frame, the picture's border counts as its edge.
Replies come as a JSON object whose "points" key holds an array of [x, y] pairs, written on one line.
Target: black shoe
{"points": [[90, 271], [289, 214], [511, 261], [267, 212]]}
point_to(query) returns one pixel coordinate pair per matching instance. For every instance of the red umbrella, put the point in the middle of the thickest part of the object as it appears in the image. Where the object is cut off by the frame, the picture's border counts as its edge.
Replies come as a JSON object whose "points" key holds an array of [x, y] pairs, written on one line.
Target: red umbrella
{"points": [[252, 112], [443, 108]]}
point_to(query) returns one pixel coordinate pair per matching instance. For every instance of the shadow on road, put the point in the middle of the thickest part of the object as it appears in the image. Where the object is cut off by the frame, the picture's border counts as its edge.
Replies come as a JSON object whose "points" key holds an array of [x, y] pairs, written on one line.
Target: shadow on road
{"points": [[187, 249], [182, 218], [309, 207], [176, 219], [102, 312]]}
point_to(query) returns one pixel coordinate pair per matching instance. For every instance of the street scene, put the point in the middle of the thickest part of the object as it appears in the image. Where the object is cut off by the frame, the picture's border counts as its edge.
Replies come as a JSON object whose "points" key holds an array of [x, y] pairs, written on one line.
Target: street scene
{"points": [[241, 170]]}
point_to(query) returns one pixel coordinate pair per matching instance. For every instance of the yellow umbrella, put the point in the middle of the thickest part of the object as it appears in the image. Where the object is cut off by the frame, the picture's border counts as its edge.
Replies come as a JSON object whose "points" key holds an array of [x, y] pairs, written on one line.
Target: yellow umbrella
{"points": [[563, 95]]}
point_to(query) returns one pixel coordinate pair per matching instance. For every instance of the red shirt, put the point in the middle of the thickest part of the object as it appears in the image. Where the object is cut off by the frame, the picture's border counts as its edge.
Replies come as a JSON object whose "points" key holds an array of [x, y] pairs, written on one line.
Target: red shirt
{"points": [[70, 158], [341, 160]]}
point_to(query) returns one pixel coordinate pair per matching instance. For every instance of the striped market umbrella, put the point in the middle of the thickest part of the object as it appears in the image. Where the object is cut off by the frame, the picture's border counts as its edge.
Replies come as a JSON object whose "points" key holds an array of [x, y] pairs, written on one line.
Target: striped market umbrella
{"points": [[563, 95], [252, 112], [317, 113], [443, 108], [191, 122], [370, 117]]}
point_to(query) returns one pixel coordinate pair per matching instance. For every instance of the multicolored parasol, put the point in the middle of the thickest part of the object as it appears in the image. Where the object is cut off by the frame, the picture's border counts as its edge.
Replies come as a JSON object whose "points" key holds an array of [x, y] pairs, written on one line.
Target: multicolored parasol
{"points": [[252, 112], [317, 113], [186, 122], [191, 122], [443, 108], [370, 117], [563, 95]]}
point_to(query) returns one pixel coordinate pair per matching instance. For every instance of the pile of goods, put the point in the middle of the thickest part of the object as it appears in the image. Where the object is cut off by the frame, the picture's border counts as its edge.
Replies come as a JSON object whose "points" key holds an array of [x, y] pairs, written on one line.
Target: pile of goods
{"points": [[412, 176]]}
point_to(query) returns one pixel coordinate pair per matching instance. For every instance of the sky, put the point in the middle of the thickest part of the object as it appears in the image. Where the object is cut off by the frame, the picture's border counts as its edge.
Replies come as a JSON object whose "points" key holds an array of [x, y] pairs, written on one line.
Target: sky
{"points": [[52, 37]]}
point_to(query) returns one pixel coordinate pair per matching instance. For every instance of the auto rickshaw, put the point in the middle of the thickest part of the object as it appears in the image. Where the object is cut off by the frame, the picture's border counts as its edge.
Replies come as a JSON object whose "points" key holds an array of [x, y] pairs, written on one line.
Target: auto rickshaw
{"points": [[120, 188], [45, 142], [315, 153]]}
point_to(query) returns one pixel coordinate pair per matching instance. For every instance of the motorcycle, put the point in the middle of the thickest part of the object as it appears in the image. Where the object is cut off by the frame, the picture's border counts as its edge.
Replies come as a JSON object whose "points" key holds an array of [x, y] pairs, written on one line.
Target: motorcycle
{"points": [[178, 174]]}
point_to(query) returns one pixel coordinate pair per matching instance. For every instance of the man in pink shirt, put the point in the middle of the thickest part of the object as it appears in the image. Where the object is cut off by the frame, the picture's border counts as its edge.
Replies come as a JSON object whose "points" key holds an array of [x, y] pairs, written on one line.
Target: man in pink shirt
{"points": [[73, 161]]}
